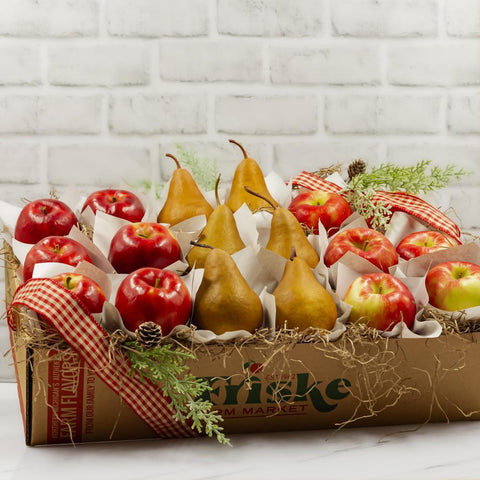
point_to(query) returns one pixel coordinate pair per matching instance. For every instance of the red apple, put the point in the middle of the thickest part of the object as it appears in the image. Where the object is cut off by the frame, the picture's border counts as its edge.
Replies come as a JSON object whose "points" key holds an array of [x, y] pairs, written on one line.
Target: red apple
{"points": [[87, 290], [329, 208], [380, 301], [454, 285], [420, 243], [119, 203], [143, 244], [153, 295], [365, 242], [54, 249], [43, 218]]}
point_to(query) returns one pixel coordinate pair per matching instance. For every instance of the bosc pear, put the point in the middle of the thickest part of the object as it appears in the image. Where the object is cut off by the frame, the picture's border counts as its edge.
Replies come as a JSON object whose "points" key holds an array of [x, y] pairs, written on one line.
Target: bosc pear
{"points": [[301, 301], [220, 232], [225, 301], [184, 198], [248, 174], [285, 233]]}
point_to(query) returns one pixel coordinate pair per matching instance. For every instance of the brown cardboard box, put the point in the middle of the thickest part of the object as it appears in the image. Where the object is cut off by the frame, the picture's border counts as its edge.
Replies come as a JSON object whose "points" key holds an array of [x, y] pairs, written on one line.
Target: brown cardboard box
{"points": [[262, 387]]}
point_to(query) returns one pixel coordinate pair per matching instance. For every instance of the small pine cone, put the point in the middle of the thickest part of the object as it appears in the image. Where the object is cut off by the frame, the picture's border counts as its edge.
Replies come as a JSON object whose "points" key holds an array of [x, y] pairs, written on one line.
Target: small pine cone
{"points": [[356, 168], [148, 334]]}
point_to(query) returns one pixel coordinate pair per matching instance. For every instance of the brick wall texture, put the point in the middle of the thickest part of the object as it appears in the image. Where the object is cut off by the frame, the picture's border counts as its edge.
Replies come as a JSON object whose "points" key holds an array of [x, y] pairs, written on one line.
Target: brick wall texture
{"points": [[94, 92]]}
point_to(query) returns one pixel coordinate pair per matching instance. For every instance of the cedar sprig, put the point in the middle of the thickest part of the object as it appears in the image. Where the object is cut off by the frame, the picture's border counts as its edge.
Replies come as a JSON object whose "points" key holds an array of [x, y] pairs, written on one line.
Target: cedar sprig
{"points": [[378, 214], [165, 366], [419, 178], [204, 170]]}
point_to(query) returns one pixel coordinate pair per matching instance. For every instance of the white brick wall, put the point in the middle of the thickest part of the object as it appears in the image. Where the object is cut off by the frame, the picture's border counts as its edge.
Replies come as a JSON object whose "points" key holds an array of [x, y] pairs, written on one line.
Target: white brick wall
{"points": [[385, 114], [214, 61], [157, 18], [270, 18], [463, 18], [98, 64], [97, 91], [50, 114], [148, 114], [49, 18], [266, 115], [331, 65], [385, 18]]}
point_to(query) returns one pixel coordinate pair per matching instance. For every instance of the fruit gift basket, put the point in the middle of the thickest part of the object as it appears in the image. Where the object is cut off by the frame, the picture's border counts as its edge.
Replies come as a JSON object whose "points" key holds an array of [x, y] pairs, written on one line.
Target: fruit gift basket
{"points": [[327, 301]]}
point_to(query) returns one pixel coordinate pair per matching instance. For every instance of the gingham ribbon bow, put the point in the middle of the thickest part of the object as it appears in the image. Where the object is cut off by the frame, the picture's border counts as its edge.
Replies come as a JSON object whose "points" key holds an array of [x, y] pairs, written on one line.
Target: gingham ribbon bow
{"points": [[69, 317], [398, 201]]}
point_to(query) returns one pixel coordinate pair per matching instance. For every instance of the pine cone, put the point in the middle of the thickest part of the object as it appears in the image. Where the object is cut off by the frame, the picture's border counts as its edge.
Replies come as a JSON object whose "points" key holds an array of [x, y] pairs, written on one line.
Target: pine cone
{"points": [[356, 168], [148, 334]]}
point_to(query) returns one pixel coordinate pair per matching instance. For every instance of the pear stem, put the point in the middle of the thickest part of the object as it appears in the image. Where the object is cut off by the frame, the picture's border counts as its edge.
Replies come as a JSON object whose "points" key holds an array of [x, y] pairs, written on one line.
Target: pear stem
{"points": [[241, 147], [293, 254], [174, 158], [217, 183], [203, 245], [261, 196]]}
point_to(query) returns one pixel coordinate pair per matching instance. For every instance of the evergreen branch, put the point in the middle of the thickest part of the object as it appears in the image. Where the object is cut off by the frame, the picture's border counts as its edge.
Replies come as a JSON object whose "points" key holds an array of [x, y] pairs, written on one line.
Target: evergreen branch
{"points": [[378, 214], [204, 170], [165, 366], [419, 178]]}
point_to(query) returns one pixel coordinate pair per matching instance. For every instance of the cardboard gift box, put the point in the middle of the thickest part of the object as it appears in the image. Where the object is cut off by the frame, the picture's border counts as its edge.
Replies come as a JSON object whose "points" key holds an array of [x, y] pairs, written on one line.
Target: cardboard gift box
{"points": [[259, 385], [71, 394]]}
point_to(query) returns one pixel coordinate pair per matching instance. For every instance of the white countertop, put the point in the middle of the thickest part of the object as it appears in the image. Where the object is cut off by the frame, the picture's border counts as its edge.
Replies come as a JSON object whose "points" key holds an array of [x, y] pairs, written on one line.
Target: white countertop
{"points": [[436, 451]]}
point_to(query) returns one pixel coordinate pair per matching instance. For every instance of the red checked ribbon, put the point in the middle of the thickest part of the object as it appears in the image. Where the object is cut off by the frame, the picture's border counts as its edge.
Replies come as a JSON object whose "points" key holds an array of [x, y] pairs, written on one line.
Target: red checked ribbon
{"points": [[398, 201], [67, 315]]}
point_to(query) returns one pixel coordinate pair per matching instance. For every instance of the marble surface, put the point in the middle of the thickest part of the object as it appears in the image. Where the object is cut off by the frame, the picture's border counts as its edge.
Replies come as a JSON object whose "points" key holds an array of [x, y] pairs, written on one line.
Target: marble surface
{"points": [[437, 451]]}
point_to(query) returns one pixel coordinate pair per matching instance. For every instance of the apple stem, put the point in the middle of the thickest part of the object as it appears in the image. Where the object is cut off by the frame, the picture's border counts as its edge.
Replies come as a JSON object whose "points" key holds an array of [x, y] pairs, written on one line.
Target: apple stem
{"points": [[174, 159], [44, 210], [261, 196], [203, 245], [157, 282], [57, 248], [68, 280], [241, 147], [217, 183]]}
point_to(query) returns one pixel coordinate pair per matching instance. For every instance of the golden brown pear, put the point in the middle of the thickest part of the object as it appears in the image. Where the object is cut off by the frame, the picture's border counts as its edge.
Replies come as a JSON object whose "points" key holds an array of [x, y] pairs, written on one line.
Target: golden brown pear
{"points": [[301, 301], [225, 302], [285, 233], [220, 232], [184, 198], [248, 174]]}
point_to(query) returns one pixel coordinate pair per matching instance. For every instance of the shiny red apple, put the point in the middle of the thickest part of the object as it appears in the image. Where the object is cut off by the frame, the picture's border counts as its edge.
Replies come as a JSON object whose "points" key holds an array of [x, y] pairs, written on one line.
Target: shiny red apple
{"points": [[365, 242], [453, 285], [380, 300], [153, 295], [119, 203], [87, 290], [143, 244], [421, 243], [54, 249], [43, 218], [317, 205]]}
